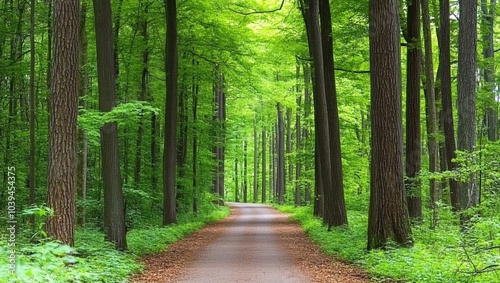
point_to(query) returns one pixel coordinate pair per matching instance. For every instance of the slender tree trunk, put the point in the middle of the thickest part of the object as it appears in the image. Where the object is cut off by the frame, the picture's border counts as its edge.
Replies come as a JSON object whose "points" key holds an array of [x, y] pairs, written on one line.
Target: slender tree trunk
{"points": [[245, 171], [467, 44], [83, 152], [289, 144], [430, 109], [413, 138], [388, 213], [255, 162], [195, 143], [143, 26], [298, 145], [169, 151], [488, 21], [61, 178], [237, 185], [114, 207], [446, 99], [264, 168], [307, 112], [280, 139], [32, 175]]}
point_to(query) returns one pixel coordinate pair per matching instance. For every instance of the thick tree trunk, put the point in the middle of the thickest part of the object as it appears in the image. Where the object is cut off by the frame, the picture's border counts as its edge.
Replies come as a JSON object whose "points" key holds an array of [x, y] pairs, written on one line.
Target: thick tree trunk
{"points": [[114, 207], [413, 139], [335, 210], [467, 44], [388, 214], [170, 142], [61, 178]]}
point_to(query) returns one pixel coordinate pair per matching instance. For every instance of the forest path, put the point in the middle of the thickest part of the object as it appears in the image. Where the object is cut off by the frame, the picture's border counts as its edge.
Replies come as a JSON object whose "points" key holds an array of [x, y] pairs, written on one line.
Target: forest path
{"points": [[255, 243]]}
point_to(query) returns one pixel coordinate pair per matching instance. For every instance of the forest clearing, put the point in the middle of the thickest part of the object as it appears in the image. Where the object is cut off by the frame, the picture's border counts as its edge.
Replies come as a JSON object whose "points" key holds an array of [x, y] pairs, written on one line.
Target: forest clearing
{"points": [[156, 141]]}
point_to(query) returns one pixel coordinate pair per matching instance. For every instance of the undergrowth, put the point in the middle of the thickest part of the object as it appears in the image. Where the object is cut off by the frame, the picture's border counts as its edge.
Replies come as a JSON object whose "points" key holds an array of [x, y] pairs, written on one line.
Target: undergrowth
{"points": [[92, 259], [445, 254]]}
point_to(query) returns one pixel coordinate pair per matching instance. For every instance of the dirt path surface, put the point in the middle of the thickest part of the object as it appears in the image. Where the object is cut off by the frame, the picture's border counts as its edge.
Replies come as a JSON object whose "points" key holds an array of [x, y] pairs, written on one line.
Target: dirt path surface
{"points": [[254, 244]]}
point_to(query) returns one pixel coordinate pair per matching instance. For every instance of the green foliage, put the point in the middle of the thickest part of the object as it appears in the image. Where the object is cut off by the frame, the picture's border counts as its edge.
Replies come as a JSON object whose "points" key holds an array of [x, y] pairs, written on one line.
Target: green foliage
{"points": [[93, 259], [442, 255]]}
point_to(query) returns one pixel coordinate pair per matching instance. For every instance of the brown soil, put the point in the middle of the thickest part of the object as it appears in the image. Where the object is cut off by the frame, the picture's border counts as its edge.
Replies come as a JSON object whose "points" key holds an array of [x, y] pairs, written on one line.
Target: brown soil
{"points": [[173, 264]]}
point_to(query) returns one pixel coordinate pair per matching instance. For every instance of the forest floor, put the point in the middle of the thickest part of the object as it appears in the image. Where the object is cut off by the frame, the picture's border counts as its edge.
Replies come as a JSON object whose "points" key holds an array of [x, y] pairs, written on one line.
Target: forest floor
{"points": [[255, 243]]}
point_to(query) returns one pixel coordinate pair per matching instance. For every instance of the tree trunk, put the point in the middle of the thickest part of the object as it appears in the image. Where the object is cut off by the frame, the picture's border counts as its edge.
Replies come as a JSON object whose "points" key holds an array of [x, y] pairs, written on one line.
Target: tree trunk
{"points": [[114, 207], [446, 99], [388, 214], [195, 142], [298, 145], [245, 171], [430, 109], [467, 44], [82, 135], [61, 178], [170, 142], [280, 142], [488, 17], [237, 185], [264, 168], [255, 162], [335, 210], [413, 139], [32, 175]]}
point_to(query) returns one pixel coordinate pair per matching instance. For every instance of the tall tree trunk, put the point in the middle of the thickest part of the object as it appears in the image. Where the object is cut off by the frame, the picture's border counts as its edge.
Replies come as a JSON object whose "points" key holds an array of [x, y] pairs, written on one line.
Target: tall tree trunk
{"points": [[264, 168], [143, 26], [32, 175], [446, 100], [255, 162], [61, 177], [298, 138], [170, 142], [488, 17], [114, 207], [195, 142], [83, 152], [289, 144], [467, 44], [280, 142], [388, 214], [237, 185], [430, 109], [245, 171], [413, 139], [306, 130], [335, 210]]}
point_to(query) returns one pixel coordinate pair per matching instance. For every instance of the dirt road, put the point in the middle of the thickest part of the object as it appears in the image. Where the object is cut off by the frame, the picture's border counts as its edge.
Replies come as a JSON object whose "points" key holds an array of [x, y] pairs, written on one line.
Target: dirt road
{"points": [[255, 244]]}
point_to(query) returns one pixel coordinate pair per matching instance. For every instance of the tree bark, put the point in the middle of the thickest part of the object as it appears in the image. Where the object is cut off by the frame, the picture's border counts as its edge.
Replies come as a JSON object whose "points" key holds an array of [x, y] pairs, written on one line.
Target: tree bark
{"points": [[280, 142], [264, 168], [335, 210], [114, 207], [430, 109], [61, 178], [32, 175], [255, 162], [170, 137], [388, 214], [413, 138], [446, 99], [488, 17], [467, 44]]}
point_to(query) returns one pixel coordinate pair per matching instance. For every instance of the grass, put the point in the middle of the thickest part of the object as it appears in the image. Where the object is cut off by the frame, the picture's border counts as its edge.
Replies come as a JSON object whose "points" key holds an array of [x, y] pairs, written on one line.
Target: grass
{"points": [[93, 259], [442, 255]]}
